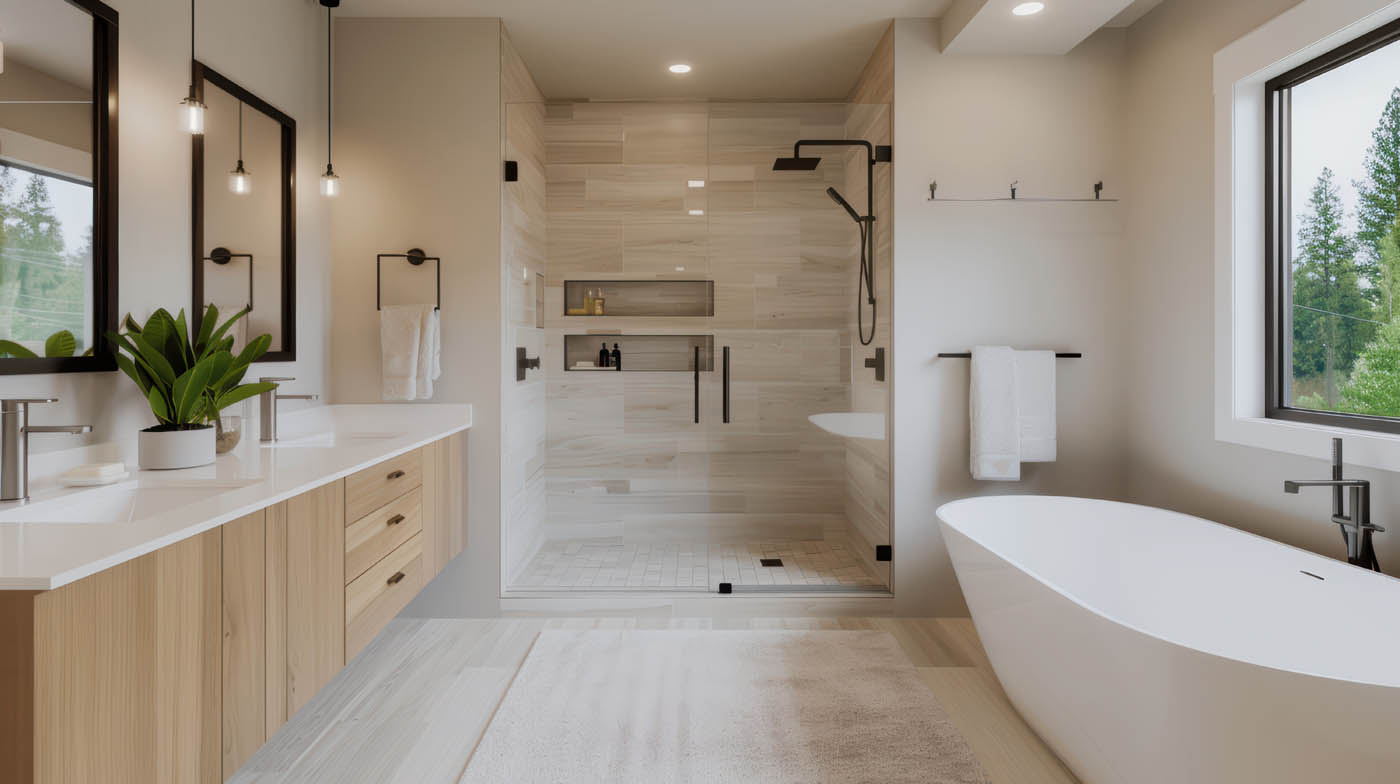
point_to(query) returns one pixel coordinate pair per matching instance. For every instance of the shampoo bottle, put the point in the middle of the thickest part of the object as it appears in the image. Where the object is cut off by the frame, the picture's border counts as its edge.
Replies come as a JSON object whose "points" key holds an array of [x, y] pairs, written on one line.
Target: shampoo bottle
{"points": [[604, 358], [616, 356]]}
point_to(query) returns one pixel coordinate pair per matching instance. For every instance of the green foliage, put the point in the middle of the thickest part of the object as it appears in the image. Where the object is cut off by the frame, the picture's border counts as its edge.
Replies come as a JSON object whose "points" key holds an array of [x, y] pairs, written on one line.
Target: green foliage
{"points": [[1378, 196], [187, 383], [60, 344], [42, 286], [1375, 385], [1332, 316]]}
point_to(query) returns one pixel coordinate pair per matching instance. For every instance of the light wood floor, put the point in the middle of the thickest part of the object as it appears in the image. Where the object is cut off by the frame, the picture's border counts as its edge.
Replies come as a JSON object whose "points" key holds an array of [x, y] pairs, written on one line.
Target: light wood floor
{"points": [[415, 702]]}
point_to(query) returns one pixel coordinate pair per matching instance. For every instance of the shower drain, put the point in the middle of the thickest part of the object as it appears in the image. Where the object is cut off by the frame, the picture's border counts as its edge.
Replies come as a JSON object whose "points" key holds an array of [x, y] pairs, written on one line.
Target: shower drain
{"points": [[770, 562]]}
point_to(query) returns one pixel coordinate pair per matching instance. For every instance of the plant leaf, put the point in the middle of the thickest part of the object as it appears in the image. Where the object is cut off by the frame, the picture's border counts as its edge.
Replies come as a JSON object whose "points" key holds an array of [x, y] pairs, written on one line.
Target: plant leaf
{"points": [[136, 374], [158, 405], [13, 349], [182, 331], [206, 329], [223, 328], [220, 363], [60, 344], [241, 393], [189, 389], [158, 363]]}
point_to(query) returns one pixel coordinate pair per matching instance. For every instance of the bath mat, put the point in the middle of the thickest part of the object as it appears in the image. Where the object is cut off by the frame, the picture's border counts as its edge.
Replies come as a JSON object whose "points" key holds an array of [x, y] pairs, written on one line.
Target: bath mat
{"points": [[720, 706]]}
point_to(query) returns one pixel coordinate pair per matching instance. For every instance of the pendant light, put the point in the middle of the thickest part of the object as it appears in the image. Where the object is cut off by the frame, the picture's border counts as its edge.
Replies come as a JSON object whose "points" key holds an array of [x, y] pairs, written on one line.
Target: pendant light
{"points": [[192, 109], [239, 180], [330, 182]]}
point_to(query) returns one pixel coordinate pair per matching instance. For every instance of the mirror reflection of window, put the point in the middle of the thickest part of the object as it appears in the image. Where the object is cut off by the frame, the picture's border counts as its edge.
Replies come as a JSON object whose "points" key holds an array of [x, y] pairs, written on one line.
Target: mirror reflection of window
{"points": [[243, 213], [46, 193]]}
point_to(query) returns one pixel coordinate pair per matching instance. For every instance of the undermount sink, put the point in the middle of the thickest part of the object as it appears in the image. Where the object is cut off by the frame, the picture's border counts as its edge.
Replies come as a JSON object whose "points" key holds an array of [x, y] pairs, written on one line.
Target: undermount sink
{"points": [[329, 438], [852, 424], [119, 503]]}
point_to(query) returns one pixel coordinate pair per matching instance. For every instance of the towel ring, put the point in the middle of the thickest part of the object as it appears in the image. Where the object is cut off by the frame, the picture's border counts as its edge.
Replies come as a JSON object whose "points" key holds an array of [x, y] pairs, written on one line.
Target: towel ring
{"points": [[414, 256], [223, 256]]}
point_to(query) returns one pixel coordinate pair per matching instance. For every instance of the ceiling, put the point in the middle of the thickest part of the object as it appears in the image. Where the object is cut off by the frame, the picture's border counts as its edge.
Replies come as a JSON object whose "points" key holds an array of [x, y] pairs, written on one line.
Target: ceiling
{"points": [[55, 38], [740, 49]]}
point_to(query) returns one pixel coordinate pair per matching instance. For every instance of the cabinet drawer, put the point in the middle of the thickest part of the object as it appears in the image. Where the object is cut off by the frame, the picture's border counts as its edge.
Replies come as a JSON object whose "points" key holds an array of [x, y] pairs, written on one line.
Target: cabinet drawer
{"points": [[377, 534], [381, 483], [376, 596]]}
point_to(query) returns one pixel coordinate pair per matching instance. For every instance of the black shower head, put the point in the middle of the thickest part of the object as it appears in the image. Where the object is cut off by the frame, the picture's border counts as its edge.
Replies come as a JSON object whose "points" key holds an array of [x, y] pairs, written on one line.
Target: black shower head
{"points": [[836, 197], [796, 164]]}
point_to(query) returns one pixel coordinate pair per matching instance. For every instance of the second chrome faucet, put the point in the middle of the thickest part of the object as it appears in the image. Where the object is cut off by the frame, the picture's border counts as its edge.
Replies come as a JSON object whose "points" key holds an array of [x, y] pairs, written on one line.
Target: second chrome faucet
{"points": [[267, 407]]}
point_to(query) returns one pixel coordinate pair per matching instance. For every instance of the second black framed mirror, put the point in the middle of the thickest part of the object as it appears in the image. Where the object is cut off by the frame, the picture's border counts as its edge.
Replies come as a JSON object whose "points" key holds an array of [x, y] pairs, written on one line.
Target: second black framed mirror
{"points": [[244, 213]]}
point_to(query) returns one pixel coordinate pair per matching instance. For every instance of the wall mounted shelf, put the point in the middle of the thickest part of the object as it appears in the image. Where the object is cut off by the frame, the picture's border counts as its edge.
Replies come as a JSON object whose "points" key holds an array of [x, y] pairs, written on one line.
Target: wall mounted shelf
{"points": [[642, 353], [658, 298]]}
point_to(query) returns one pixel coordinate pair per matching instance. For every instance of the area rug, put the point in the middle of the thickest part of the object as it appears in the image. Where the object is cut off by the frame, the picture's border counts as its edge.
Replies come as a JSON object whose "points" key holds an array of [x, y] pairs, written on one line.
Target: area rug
{"points": [[720, 706]]}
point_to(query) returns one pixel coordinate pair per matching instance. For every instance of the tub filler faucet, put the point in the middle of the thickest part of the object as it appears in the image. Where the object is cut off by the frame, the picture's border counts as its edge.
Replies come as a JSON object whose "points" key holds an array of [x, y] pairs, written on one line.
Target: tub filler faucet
{"points": [[1356, 526]]}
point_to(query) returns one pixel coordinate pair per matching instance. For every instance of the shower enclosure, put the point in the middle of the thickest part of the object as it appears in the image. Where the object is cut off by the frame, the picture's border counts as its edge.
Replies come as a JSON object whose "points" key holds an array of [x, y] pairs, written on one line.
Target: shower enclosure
{"points": [[730, 291]]}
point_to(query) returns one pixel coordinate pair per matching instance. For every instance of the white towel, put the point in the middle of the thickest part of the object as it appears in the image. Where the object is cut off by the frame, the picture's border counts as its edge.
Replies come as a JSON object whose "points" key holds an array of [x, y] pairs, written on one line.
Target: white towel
{"points": [[995, 415], [429, 353], [1035, 395], [400, 334]]}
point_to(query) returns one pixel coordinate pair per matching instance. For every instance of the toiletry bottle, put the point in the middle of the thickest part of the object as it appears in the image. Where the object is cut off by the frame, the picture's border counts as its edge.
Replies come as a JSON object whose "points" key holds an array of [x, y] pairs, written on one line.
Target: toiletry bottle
{"points": [[616, 357], [604, 358], [598, 301], [588, 297]]}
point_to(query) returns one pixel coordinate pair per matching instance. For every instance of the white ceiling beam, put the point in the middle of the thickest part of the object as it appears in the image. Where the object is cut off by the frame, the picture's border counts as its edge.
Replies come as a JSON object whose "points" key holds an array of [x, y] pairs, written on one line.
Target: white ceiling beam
{"points": [[989, 26]]}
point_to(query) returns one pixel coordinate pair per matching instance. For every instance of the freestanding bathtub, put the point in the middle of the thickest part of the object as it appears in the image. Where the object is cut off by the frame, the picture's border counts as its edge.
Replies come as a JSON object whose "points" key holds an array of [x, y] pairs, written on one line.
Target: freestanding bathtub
{"points": [[1147, 646]]}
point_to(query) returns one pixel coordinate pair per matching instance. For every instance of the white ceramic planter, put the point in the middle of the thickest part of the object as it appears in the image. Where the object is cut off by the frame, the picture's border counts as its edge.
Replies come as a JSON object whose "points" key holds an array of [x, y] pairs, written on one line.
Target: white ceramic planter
{"points": [[166, 449]]}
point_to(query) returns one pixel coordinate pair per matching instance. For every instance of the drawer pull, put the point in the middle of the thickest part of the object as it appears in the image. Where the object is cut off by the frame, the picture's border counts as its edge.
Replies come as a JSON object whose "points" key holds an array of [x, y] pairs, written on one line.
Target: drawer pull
{"points": [[395, 520], [395, 475], [397, 578]]}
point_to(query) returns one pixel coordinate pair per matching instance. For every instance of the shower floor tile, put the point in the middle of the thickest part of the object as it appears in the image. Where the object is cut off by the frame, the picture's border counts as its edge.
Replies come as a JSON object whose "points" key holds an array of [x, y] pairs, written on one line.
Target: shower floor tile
{"points": [[609, 565]]}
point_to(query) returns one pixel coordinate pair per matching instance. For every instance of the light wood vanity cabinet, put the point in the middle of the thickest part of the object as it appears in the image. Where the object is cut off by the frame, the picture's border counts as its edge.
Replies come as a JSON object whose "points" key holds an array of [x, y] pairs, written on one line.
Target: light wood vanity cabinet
{"points": [[178, 665]]}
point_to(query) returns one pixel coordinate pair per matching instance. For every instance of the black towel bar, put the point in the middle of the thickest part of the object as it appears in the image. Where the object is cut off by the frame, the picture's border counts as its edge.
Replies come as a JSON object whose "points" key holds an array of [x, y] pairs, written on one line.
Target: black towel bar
{"points": [[414, 256], [968, 355]]}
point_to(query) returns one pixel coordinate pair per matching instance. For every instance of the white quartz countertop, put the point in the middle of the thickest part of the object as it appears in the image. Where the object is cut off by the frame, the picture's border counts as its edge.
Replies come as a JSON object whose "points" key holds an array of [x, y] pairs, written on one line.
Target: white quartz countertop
{"points": [[65, 534]]}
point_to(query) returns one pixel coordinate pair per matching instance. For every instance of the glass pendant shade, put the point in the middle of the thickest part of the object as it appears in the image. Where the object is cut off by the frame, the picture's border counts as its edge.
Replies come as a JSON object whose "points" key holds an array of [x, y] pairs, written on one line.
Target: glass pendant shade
{"points": [[192, 114], [239, 180], [330, 183]]}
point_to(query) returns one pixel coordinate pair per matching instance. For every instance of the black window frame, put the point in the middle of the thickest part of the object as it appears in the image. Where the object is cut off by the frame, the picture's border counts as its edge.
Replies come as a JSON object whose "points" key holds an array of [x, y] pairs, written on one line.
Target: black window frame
{"points": [[1278, 235]]}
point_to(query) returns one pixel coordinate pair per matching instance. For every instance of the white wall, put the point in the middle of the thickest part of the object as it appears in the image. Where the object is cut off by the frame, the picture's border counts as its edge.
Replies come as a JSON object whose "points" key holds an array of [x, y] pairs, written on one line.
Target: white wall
{"points": [[1029, 275], [1176, 461], [275, 48], [418, 143]]}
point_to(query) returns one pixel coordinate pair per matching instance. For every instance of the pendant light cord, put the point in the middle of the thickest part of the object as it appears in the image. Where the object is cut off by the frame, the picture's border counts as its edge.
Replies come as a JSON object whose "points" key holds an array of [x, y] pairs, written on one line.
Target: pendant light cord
{"points": [[191, 30], [329, 85], [240, 133]]}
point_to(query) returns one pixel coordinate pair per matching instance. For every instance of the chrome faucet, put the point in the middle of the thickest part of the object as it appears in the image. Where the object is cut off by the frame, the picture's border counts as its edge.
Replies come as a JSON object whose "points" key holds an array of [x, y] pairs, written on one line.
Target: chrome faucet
{"points": [[14, 444], [1356, 526], [267, 407]]}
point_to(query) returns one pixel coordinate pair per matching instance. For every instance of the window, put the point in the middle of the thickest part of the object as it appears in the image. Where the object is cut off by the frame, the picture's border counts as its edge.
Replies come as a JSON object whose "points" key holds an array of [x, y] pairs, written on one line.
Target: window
{"points": [[1333, 237]]}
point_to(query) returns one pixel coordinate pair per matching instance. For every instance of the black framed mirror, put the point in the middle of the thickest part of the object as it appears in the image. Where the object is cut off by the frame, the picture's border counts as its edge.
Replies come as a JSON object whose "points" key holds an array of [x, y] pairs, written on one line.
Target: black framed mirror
{"points": [[58, 186], [244, 213]]}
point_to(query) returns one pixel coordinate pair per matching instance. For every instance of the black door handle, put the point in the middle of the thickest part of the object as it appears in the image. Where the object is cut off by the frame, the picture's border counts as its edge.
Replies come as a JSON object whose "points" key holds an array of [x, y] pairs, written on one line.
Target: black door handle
{"points": [[697, 385], [726, 385]]}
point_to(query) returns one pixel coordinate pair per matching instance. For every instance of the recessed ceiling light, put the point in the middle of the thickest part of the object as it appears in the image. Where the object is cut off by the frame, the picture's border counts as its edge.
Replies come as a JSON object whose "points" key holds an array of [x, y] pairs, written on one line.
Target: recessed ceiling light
{"points": [[1027, 9], [697, 212], [695, 183], [680, 268], [679, 68]]}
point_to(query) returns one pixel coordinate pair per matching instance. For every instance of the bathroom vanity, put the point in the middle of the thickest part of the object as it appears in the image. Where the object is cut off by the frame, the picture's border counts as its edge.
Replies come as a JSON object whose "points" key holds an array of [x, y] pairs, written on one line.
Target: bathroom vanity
{"points": [[161, 629]]}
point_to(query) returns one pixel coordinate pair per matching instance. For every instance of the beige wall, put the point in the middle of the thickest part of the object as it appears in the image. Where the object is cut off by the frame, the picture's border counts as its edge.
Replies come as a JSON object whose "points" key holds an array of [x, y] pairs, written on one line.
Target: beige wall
{"points": [[1025, 274], [626, 460], [273, 47], [418, 143], [69, 125]]}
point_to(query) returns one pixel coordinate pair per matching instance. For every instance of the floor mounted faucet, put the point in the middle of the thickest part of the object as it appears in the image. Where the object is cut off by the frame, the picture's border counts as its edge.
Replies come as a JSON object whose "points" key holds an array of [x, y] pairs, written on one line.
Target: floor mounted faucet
{"points": [[14, 444], [1356, 526]]}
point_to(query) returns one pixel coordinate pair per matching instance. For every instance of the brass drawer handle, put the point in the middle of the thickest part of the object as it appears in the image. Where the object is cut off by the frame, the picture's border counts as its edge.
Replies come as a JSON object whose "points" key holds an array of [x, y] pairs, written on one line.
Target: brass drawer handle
{"points": [[397, 578], [395, 520], [395, 475]]}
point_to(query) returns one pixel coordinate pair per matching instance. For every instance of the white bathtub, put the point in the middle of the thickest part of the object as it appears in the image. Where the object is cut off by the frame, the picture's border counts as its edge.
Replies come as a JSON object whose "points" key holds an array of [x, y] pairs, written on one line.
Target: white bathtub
{"points": [[1148, 646]]}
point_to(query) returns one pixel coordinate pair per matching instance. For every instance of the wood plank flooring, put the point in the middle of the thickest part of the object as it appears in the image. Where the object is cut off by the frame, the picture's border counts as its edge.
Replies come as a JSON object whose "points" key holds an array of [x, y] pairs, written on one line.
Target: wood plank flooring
{"points": [[412, 706]]}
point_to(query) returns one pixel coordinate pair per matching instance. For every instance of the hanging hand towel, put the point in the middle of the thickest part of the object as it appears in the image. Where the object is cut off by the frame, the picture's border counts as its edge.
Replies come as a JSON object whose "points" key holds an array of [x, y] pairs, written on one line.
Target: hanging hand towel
{"points": [[429, 353], [400, 334], [1035, 395], [995, 415]]}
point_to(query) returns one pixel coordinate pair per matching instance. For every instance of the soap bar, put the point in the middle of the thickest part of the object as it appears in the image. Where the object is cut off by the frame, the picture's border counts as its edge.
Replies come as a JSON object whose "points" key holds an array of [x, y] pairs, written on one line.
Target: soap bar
{"points": [[95, 472]]}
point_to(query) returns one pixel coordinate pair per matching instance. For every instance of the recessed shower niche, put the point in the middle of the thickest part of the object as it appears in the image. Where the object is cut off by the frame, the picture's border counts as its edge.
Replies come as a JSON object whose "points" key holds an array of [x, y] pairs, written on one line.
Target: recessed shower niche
{"points": [[646, 353], [661, 298]]}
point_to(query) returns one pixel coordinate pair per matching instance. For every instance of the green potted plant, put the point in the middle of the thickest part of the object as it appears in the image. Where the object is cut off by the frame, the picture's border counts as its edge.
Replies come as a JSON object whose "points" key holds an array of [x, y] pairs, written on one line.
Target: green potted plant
{"points": [[187, 380]]}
